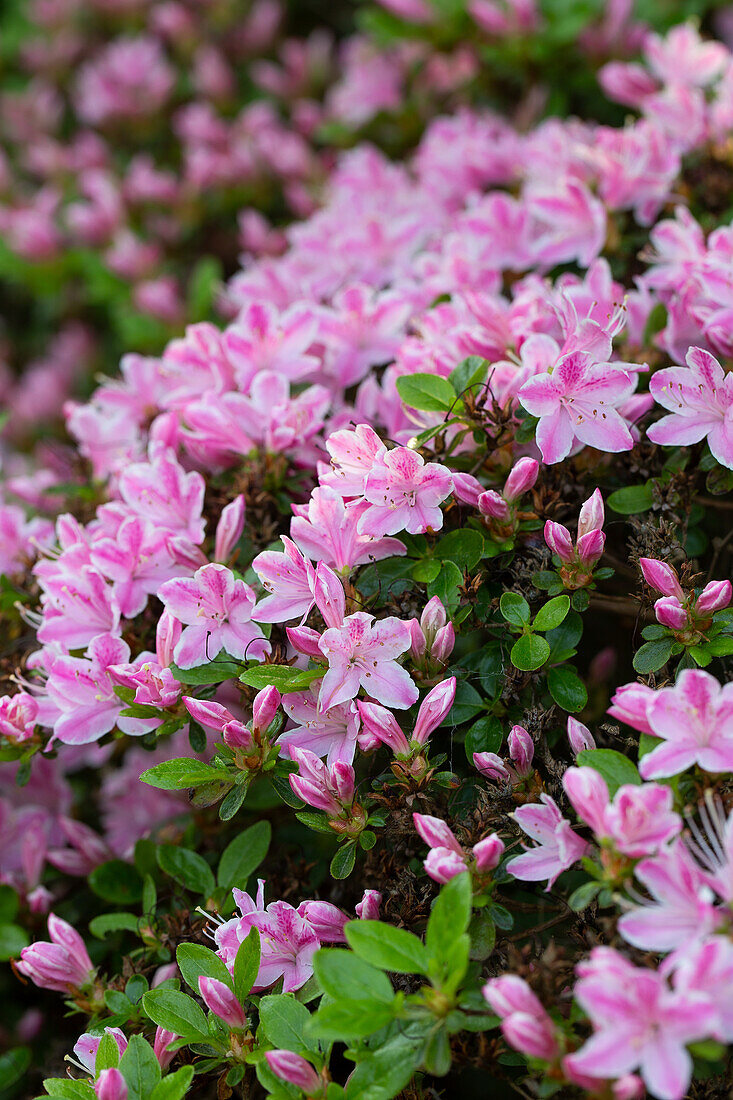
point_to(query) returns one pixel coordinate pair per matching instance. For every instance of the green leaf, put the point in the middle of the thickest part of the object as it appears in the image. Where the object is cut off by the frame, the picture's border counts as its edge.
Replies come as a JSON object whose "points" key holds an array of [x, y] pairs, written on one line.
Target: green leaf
{"points": [[187, 868], [68, 1089], [428, 392], [449, 917], [631, 500], [466, 705], [177, 775], [653, 655], [283, 677], [386, 1071], [529, 652], [567, 689], [140, 1067], [195, 960], [176, 1012], [464, 547], [9, 905], [437, 1056], [446, 585], [469, 372], [108, 1053], [213, 672], [486, 735], [232, 802], [284, 1020], [514, 608], [426, 570], [117, 881], [387, 947], [347, 1019], [13, 1065], [551, 614], [246, 965], [174, 1086], [105, 923], [13, 939], [243, 855], [615, 768], [482, 931], [582, 897], [343, 861], [344, 974]]}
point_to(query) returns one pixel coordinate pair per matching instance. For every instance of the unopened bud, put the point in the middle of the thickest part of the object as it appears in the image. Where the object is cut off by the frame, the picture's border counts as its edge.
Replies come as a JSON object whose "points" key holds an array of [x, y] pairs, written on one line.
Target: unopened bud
{"points": [[265, 707], [488, 853], [521, 750], [521, 479], [579, 736], [559, 540], [304, 640], [591, 514], [295, 1070], [110, 1085], [229, 529], [220, 1000], [493, 504], [662, 577], [443, 645], [670, 612], [491, 765], [433, 709], [714, 597]]}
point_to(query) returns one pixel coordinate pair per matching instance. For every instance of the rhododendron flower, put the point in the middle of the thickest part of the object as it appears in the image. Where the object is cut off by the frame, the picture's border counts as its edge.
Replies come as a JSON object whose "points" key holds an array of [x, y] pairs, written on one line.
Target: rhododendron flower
{"points": [[353, 454], [262, 340], [699, 398], [63, 964], [137, 560], [289, 577], [328, 733], [405, 494], [363, 653], [327, 529], [87, 1045], [217, 610], [640, 1023], [18, 715], [558, 846], [78, 604], [161, 491], [706, 968], [694, 720], [639, 820]]}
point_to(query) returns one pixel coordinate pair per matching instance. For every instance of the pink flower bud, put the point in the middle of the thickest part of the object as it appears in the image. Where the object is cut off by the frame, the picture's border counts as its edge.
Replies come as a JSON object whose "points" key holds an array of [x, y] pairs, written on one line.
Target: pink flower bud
{"points": [[185, 553], [433, 709], [210, 714], [418, 644], [161, 1042], [326, 920], [509, 993], [443, 864], [443, 645], [662, 577], [714, 597], [467, 488], [628, 1087], [312, 782], [433, 617], [531, 1036], [237, 736], [559, 540], [89, 845], [62, 964], [493, 504], [491, 765], [110, 1085], [436, 833], [304, 640], [579, 736], [590, 547], [521, 750], [382, 724], [368, 907], [229, 529], [295, 1070], [591, 514], [265, 707], [522, 478], [167, 635], [343, 781], [328, 592], [220, 1000], [488, 853], [670, 612], [586, 788], [40, 899]]}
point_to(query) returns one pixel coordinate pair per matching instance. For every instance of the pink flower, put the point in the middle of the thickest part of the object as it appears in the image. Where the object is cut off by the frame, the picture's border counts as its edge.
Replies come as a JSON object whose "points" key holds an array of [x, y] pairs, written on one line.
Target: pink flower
{"points": [[18, 716], [220, 1000], [289, 577], [217, 609], [526, 1025], [362, 653], [353, 454], [229, 528], [706, 968], [63, 964], [640, 1023], [330, 790], [263, 341], [137, 561], [682, 908], [78, 604], [405, 494], [578, 402], [331, 733], [287, 940], [161, 491], [327, 529], [639, 820], [295, 1070], [447, 858], [87, 1045], [699, 398], [558, 847]]}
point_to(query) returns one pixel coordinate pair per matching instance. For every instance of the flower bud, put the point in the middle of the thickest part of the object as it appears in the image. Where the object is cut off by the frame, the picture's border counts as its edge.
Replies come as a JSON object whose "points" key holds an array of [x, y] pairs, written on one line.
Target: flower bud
{"points": [[265, 707], [295, 1070], [304, 640], [714, 597], [418, 644], [628, 1087], [185, 553], [443, 645], [589, 547], [382, 724], [662, 577], [39, 900], [531, 1036], [433, 709], [220, 1000], [163, 1039], [488, 853], [328, 592], [442, 864], [229, 529], [61, 964], [326, 920], [579, 736], [670, 612], [467, 488], [110, 1085], [521, 479], [491, 765], [591, 514], [630, 705], [343, 780], [237, 736], [167, 635], [559, 540], [433, 617], [493, 504], [436, 833], [588, 794], [311, 782], [210, 714], [509, 993], [368, 907], [521, 750]]}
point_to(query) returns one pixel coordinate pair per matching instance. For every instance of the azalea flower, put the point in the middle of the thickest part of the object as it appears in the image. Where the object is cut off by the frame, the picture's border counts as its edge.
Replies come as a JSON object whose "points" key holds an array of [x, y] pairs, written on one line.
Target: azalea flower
{"points": [[363, 653], [558, 846], [700, 399]]}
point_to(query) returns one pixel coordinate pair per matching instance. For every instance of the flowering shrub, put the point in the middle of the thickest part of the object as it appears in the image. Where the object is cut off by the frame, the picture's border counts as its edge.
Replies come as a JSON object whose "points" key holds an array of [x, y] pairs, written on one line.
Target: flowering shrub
{"points": [[366, 724]]}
